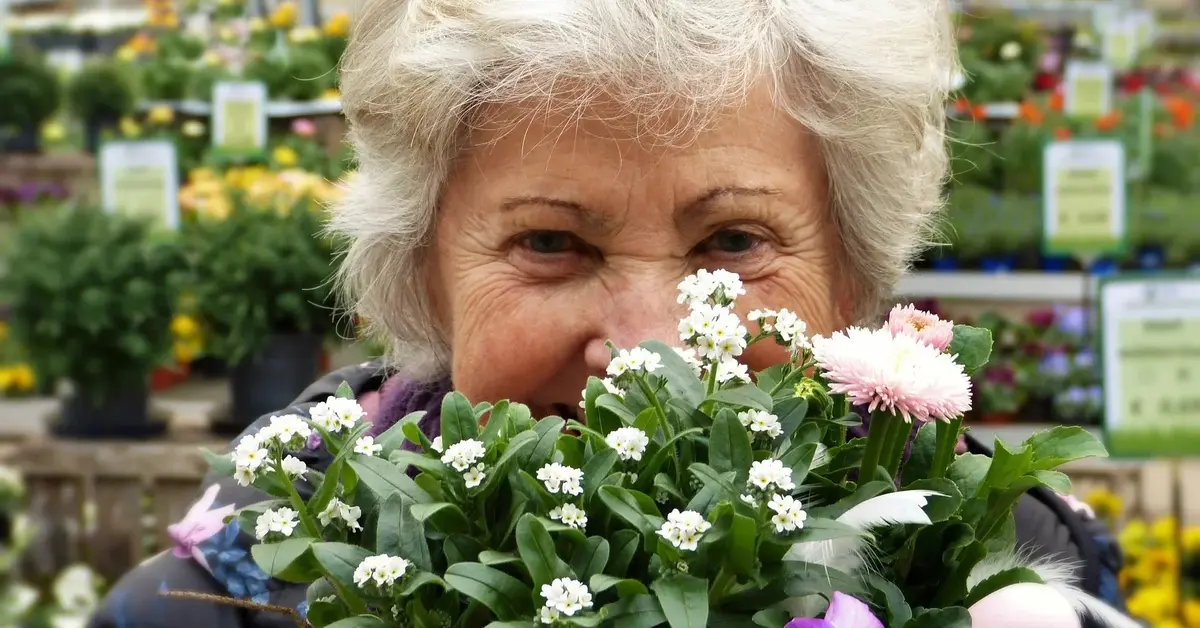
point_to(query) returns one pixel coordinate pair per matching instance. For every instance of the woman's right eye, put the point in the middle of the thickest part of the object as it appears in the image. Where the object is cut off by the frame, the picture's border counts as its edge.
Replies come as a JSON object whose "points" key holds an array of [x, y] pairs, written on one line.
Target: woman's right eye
{"points": [[550, 242]]}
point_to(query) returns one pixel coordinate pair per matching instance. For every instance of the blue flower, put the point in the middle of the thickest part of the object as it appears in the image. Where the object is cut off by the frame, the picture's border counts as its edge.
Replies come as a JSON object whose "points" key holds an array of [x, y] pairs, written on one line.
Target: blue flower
{"points": [[1055, 364], [234, 568], [302, 608]]}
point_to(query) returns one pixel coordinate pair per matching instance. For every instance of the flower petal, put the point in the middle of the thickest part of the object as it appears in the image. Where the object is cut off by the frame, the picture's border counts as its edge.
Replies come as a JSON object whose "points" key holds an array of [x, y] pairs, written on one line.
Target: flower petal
{"points": [[847, 612], [807, 622]]}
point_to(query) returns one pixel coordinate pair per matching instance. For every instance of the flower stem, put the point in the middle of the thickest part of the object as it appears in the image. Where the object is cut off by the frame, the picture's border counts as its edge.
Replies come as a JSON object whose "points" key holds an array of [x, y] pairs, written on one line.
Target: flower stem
{"points": [[665, 423], [786, 380], [877, 434], [943, 453], [720, 586], [306, 521], [897, 441]]}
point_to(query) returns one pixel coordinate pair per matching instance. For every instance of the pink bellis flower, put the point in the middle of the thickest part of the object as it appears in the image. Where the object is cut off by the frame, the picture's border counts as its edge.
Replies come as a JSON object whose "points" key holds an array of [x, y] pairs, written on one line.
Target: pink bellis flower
{"points": [[894, 373], [304, 127], [843, 612], [925, 327], [200, 524]]}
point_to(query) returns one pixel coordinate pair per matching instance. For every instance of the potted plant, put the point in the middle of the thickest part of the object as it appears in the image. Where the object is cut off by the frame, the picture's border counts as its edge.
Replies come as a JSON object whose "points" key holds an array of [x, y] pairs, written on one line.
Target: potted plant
{"points": [[999, 396], [261, 292], [92, 302], [29, 95], [100, 95]]}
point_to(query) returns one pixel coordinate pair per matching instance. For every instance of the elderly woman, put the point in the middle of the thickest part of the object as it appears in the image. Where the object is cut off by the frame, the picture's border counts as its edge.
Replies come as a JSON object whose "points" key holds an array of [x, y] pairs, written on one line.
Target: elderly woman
{"points": [[537, 176]]}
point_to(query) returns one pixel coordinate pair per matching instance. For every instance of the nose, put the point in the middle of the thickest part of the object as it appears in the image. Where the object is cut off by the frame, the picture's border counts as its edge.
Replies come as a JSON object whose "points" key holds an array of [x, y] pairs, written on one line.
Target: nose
{"points": [[638, 312]]}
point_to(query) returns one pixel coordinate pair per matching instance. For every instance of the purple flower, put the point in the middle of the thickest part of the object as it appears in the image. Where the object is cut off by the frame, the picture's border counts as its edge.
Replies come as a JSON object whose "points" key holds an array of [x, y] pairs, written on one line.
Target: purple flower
{"points": [[843, 612], [1042, 318], [1055, 364], [1085, 360], [200, 524], [314, 442], [1071, 320]]}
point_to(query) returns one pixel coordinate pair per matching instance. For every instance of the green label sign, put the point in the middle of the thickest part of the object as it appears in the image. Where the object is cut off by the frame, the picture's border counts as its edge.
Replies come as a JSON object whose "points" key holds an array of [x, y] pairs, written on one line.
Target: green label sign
{"points": [[1151, 353], [239, 117], [1084, 198], [140, 179]]}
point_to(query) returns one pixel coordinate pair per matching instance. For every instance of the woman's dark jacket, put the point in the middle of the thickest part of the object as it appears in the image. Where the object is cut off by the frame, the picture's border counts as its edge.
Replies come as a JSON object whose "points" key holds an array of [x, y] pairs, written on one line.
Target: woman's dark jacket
{"points": [[215, 559]]}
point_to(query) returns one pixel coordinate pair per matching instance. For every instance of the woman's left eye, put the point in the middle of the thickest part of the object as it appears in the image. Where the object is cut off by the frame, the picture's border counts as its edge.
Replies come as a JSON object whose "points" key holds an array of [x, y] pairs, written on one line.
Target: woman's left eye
{"points": [[730, 242]]}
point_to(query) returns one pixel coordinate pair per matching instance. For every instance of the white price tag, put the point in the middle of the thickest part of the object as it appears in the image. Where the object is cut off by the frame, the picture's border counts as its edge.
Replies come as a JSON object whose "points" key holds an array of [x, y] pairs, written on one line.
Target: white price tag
{"points": [[1084, 197], [1087, 89], [141, 179], [239, 116]]}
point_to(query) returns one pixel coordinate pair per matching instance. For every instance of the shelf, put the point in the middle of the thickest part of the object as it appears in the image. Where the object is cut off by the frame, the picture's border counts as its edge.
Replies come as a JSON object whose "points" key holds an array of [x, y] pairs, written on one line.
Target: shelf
{"points": [[1026, 286], [275, 108]]}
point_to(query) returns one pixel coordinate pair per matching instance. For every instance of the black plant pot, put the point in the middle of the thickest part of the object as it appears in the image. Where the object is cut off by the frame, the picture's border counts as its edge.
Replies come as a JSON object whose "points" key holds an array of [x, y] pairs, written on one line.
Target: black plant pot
{"points": [[122, 414], [270, 381], [94, 130], [25, 140]]}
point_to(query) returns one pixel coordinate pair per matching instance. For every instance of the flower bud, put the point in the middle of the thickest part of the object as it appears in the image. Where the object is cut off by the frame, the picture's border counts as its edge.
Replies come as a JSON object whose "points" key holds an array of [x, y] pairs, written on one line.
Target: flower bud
{"points": [[815, 393]]}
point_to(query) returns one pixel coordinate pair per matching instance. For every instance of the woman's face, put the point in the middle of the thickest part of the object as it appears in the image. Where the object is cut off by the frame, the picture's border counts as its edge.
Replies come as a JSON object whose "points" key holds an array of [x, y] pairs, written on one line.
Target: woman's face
{"points": [[553, 238]]}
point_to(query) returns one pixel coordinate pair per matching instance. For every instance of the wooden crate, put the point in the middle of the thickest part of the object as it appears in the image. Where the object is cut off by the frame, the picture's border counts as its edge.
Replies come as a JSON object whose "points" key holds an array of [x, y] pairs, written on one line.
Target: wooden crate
{"points": [[104, 503]]}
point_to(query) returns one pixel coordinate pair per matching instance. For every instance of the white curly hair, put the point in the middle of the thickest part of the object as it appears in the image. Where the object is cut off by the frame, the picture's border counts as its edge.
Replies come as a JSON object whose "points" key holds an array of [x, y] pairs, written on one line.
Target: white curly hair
{"points": [[868, 77]]}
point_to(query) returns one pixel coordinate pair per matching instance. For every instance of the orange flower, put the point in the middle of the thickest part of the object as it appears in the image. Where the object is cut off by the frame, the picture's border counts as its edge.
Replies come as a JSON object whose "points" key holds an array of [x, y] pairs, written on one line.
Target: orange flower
{"points": [[1108, 121], [1056, 101], [978, 112], [1183, 113], [1062, 134], [1030, 113], [962, 105]]}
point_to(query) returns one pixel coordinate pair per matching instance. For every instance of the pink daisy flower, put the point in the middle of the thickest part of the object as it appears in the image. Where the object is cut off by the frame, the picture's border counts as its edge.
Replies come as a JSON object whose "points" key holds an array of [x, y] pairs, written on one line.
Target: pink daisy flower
{"points": [[304, 127], [895, 373], [922, 325]]}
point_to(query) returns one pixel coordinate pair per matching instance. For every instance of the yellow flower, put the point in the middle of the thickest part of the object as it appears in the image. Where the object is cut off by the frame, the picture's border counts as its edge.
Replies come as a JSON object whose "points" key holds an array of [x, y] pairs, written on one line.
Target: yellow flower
{"points": [[338, 25], [1164, 531], [258, 25], [1108, 505], [193, 128], [7, 379], [184, 326], [3, 330], [1133, 538], [1191, 540], [53, 132], [186, 350], [130, 128], [331, 94], [1154, 604], [284, 16], [1191, 613], [215, 208], [126, 53], [226, 34], [303, 34], [284, 156], [161, 115], [1169, 623], [211, 59], [202, 174], [22, 377]]}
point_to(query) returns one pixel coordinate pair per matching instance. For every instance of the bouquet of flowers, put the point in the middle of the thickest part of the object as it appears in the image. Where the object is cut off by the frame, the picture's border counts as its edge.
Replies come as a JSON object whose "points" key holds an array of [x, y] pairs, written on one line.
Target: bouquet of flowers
{"points": [[686, 492]]}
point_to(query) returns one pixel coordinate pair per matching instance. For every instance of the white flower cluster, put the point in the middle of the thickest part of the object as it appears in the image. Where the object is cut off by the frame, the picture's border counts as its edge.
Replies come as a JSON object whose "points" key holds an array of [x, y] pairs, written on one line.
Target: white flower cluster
{"points": [[719, 286], [637, 360], [561, 478], [280, 520], [571, 515], [336, 414], [761, 422], [785, 325], [367, 446], [563, 596], [436, 444], [248, 458], [381, 570], [689, 356], [715, 331], [630, 442], [768, 474], [463, 456], [789, 513], [684, 529], [337, 509], [290, 431], [293, 467]]}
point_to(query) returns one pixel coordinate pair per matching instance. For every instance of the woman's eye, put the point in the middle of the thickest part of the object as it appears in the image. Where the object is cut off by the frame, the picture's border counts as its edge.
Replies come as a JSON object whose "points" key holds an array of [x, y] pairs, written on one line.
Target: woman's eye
{"points": [[731, 241], [549, 242]]}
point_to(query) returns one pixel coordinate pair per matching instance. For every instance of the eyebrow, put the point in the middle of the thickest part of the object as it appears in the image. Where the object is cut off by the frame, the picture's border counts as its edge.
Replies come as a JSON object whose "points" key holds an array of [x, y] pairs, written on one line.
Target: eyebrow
{"points": [[690, 211]]}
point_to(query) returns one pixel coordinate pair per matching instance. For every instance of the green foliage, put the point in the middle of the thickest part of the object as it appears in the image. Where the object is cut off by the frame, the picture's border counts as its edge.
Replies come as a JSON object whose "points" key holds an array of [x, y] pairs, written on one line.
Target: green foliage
{"points": [[972, 153], [93, 295], [29, 90], [300, 72], [166, 77], [483, 524], [260, 271], [103, 89]]}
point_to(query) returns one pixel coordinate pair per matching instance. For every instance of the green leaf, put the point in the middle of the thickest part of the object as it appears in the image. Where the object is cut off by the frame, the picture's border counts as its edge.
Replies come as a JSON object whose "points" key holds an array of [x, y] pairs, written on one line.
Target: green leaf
{"points": [[1056, 481], [812, 579], [393, 438], [639, 611], [656, 460], [939, 508], [625, 587], [920, 460], [344, 391], [327, 488], [720, 482], [729, 444], [772, 618], [824, 530], [570, 450], [860, 495], [613, 407], [504, 595], [480, 409], [1000, 580], [419, 580], [287, 560], [221, 464], [490, 558], [596, 470], [799, 460], [623, 504], [743, 531], [547, 431], [1007, 465], [432, 466], [340, 560], [519, 443], [647, 421], [460, 548], [891, 599], [748, 396], [682, 382], [361, 621], [458, 420], [398, 533], [624, 548], [384, 479], [524, 623], [950, 617], [684, 600], [591, 394], [968, 471], [589, 558], [537, 551], [1059, 445], [495, 423], [447, 518], [971, 346], [664, 483]]}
